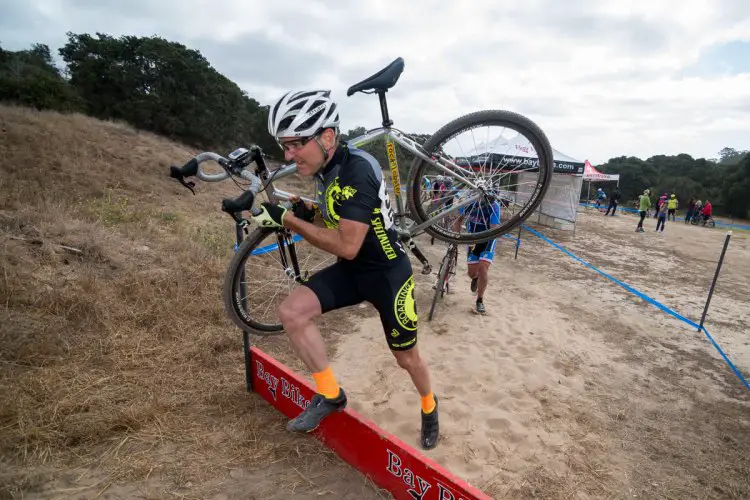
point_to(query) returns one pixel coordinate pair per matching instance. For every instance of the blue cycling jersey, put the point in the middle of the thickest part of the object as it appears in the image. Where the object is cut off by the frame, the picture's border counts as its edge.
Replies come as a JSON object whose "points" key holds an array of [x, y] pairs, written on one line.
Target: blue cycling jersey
{"points": [[481, 215]]}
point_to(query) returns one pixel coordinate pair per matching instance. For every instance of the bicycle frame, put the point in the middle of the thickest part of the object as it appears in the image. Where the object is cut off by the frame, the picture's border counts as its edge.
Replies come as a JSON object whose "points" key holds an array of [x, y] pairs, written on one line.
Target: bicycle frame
{"points": [[391, 136]]}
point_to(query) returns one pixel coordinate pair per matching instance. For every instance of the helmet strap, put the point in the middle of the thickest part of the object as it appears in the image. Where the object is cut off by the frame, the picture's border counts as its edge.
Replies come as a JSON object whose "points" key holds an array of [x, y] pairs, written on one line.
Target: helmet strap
{"points": [[325, 152]]}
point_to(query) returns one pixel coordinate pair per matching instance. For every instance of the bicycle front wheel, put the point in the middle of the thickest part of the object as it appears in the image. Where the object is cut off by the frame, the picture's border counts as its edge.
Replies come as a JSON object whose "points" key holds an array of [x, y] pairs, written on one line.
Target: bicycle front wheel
{"points": [[267, 266], [500, 159]]}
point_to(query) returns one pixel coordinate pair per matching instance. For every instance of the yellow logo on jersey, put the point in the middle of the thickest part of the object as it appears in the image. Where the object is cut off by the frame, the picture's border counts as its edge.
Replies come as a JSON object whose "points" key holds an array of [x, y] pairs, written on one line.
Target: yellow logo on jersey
{"points": [[335, 195]]}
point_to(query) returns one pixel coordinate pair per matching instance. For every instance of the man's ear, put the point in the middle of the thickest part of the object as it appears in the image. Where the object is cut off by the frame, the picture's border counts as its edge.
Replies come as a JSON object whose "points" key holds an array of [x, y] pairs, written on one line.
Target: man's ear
{"points": [[329, 138]]}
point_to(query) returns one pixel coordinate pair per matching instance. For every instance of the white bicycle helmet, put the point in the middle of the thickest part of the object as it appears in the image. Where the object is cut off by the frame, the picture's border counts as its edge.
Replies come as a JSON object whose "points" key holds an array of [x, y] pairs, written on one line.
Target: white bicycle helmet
{"points": [[303, 114]]}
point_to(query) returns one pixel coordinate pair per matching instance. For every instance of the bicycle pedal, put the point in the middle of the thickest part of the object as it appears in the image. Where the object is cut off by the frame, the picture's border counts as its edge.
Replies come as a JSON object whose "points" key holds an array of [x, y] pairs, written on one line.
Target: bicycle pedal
{"points": [[427, 269]]}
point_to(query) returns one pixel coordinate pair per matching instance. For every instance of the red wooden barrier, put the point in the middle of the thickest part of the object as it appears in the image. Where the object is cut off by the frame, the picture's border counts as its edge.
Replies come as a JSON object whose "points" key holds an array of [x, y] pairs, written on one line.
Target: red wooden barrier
{"points": [[388, 461]]}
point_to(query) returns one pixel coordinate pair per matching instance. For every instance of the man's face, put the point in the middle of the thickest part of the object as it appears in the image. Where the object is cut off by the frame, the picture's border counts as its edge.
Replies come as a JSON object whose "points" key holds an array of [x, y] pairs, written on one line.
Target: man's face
{"points": [[305, 152]]}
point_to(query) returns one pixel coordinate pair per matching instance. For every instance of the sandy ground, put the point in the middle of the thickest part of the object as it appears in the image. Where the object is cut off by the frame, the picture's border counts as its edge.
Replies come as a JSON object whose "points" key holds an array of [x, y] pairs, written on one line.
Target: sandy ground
{"points": [[571, 387], [121, 377]]}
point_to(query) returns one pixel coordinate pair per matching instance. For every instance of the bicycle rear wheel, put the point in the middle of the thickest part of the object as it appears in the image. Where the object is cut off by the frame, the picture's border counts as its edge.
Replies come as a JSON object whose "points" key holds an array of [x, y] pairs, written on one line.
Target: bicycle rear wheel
{"points": [[267, 266], [514, 170]]}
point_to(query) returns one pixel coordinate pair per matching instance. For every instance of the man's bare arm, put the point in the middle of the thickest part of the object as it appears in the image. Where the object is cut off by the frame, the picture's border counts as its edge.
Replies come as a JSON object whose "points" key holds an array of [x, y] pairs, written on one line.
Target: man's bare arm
{"points": [[344, 242]]}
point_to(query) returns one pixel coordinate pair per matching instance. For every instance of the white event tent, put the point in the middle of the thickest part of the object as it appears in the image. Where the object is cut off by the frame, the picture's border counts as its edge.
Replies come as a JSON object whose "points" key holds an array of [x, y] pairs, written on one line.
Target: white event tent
{"points": [[559, 206]]}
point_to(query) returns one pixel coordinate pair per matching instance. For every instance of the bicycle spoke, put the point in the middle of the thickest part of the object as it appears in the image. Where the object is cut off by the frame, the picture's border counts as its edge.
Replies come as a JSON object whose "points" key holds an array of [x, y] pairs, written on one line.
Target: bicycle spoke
{"points": [[268, 281], [498, 154]]}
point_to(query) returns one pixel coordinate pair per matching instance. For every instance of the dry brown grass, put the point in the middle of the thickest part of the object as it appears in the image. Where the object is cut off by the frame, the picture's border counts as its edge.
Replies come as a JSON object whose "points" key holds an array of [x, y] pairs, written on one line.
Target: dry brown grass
{"points": [[119, 371]]}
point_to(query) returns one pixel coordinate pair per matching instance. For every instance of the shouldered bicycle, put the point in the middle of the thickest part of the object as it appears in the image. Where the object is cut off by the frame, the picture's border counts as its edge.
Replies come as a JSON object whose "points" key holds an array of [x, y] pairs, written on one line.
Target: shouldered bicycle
{"points": [[483, 169]]}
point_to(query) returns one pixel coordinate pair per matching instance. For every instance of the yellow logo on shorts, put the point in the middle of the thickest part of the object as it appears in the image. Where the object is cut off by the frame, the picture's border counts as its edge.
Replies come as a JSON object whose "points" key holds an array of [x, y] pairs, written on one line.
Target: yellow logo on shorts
{"points": [[394, 333], [405, 306]]}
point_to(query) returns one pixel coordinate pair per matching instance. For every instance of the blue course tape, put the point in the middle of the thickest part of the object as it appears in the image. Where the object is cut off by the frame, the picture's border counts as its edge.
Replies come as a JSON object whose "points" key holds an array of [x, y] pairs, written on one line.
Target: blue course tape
{"points": [[273, 246], [646, 298], [726, 358]]}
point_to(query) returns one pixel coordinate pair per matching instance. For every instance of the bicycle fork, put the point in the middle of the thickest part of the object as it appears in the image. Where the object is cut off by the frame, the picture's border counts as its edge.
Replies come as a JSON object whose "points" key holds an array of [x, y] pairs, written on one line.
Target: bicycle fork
{"points": [[285, 240]]}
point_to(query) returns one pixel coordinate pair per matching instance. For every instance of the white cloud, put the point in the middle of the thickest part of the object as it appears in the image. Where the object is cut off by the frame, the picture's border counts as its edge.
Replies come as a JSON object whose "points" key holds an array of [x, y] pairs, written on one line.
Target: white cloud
{"points": [[602, 78]]}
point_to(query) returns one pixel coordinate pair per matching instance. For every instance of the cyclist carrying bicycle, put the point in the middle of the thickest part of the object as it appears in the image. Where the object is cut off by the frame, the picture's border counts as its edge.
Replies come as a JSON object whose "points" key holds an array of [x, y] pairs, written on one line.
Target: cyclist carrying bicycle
{"points": [[480, 216], [372, 264]]}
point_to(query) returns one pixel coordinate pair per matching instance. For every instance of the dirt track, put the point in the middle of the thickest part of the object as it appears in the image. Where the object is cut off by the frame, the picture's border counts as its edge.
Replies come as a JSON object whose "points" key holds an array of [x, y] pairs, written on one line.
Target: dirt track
{"points": [[120, 375]]}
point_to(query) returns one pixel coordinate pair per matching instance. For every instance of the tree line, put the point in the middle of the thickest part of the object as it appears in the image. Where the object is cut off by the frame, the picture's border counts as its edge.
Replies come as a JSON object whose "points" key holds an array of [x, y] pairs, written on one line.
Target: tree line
{"points": [[164, 87], [148, 82], [725, 180]]}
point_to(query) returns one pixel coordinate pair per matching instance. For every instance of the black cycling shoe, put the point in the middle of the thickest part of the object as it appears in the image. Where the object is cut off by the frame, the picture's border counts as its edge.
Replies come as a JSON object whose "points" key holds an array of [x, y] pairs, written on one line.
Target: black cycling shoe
{"points": [[480, 307], [430, 428], [320, 407], [474, 282]]}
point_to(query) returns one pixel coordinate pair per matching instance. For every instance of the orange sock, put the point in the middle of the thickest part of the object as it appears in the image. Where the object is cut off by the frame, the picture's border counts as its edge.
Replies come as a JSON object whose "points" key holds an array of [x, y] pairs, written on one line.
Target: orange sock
{"points": [[428, 403], [326, 383]]}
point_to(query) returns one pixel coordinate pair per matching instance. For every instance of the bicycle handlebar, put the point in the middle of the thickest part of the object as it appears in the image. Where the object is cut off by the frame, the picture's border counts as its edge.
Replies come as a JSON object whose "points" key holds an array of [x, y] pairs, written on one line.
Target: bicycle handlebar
{"points": [[230, 205]]}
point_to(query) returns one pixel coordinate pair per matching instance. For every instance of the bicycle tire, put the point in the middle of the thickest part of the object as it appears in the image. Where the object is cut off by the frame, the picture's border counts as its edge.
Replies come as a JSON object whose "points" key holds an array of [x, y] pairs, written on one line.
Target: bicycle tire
{"points": [[515, 121], [452, 266], [231, 287], [442, 272]]}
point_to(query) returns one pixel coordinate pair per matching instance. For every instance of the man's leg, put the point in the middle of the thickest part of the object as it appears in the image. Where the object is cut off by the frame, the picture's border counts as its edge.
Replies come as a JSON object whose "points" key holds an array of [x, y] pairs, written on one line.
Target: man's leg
{"points": [[329, 289], [412, 362], [297, 313], [614, 208], [483, 273], [471, 266], [484, 276], [392, 294]]}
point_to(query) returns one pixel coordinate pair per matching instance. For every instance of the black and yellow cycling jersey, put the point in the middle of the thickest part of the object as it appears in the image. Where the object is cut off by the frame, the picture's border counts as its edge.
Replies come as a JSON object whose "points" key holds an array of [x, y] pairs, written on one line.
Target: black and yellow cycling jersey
{"points": [[352, 187]]}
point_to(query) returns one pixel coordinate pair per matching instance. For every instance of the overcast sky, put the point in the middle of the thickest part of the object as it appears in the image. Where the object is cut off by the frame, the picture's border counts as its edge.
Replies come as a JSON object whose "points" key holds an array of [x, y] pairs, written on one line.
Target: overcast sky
{"points": [[603, 78]]}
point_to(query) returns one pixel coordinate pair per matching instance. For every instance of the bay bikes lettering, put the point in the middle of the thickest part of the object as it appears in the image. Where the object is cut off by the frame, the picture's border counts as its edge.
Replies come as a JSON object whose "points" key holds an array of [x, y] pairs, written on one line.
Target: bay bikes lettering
{"points": [[288, 389], [418, 487]]}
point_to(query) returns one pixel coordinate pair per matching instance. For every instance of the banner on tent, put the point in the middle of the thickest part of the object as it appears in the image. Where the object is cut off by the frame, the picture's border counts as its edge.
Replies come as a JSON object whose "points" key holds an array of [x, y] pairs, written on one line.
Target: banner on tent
{"points": [[510, 163], [592, 174], [514, 154]]}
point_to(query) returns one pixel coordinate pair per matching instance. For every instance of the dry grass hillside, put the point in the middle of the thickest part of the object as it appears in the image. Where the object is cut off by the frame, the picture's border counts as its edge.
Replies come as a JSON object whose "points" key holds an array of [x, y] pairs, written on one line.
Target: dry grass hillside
{"points": [[120, 374]]}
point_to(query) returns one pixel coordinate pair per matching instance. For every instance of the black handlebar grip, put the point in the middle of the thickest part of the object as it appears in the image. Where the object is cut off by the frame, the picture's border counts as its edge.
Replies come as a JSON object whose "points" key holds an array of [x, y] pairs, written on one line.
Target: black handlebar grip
{"points": [[189, 169], [239, 204]]}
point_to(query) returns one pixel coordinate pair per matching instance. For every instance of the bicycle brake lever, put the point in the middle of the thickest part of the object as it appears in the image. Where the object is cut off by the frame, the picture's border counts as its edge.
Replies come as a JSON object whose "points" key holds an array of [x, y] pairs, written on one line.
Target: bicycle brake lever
{"points": [[189, 184], [177, 173]]}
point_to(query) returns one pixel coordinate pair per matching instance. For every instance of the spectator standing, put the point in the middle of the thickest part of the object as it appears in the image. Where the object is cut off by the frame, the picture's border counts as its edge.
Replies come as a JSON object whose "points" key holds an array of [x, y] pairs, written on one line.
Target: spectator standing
{"points": [[662, 216], [614, 198], [643, 206], [690, 210]]}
